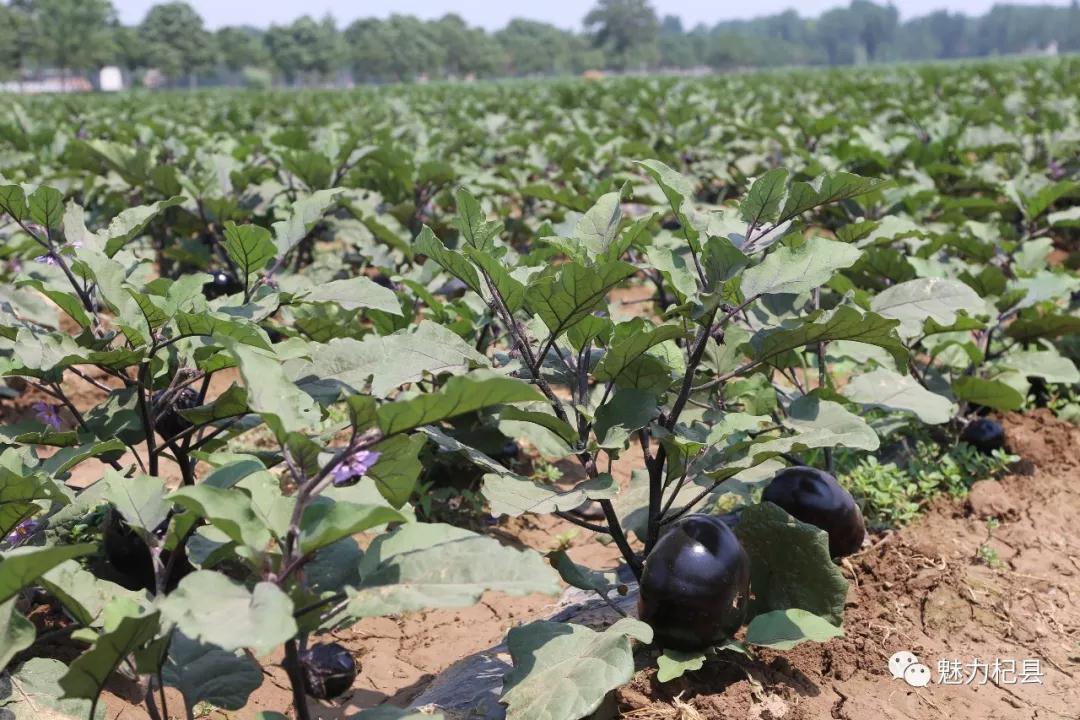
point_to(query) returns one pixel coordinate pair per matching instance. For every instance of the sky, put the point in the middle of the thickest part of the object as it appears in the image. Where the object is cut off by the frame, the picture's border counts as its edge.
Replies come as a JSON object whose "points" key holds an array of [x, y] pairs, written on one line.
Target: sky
{"points": [[494, 15]]}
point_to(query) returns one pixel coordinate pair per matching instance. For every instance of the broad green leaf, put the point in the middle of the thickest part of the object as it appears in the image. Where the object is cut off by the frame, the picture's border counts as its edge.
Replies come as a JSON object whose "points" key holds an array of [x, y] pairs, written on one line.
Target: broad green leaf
{"points": [[64, 299], [991, 393], [1065, 218], [790, 565], [565, 294], [390, 712], [673, 259], [22, 566], [564, 671], [630, 341], [13, 202], [510, 290], [818, 422], [762, 203], [229, 510], [422, 565], [231, 403], [460, 395], [1030, 328], [326, 522], [915, 301], [452, 261], [513, 495], [84, 595], [16, 633], [476, 231], [205, 673], [270, 392], [36, 694], [131, 223], [46, 206], [581, 576], [798, 270], [386, 362], [1044, 286], [597, 229], [140, 499], [543, 419], [398, 467], [154, 315], [19, 496], [892, 391], [677, 188], [674, 664], [304, 216], [211, 608], [784, 629], [843, 323], [249, 247], [353, 294], [628, 411], [1038, 203], [1050, 365], [86, 677], [721, 261], [828, 188]]}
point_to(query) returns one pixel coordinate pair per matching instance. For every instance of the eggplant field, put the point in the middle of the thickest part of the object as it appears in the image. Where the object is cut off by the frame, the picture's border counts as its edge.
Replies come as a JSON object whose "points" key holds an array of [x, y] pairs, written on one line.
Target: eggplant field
{"points": [[748, 395]]}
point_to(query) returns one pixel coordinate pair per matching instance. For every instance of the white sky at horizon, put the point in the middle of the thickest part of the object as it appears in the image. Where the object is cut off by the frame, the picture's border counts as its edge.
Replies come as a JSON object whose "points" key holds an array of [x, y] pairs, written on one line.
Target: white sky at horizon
{"points": [[564, 13]]}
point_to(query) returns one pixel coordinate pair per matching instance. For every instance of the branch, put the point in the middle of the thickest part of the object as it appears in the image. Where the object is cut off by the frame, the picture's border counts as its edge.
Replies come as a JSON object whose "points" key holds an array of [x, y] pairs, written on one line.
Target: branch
{"points": [[147, 417], [582, 523]]}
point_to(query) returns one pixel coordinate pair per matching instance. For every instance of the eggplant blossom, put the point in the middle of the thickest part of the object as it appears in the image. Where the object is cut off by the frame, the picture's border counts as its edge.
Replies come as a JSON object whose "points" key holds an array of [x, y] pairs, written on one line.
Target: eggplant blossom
{"points": [[48, 414], [354, 467], [22, 532]]}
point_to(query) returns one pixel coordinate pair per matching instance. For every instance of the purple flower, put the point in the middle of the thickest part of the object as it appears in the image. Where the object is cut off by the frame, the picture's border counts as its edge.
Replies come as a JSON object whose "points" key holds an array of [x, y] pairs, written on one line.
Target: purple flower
{"points": [[45, 259], [48, 414], [22, 532], [354, 467]]}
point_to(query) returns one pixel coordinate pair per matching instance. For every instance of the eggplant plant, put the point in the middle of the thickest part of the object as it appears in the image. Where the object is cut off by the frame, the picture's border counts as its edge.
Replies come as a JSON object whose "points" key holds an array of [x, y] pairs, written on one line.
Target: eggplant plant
{"points": [[692, 390], [214, 558]]}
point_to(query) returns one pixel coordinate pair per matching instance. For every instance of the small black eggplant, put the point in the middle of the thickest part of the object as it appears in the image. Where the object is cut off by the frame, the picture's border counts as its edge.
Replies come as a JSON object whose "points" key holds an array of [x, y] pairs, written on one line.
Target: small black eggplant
{"points": [[328, 669], [814, 497], [695, 585], [984, 435]]}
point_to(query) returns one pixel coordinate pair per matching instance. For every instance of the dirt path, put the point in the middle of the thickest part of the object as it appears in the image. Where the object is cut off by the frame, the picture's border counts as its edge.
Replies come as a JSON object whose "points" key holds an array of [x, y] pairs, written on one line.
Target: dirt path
{"points": [[925, 589]]}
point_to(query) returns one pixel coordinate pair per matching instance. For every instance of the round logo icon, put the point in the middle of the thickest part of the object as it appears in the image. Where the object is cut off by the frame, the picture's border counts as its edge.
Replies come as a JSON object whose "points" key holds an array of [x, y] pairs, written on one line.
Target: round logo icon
{"points": [[917, 675], [900, 661]]}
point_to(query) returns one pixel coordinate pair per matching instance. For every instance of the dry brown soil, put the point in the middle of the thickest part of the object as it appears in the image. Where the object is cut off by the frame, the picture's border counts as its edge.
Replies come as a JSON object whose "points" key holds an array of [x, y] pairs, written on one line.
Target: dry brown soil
{"points": [[926, 590]]}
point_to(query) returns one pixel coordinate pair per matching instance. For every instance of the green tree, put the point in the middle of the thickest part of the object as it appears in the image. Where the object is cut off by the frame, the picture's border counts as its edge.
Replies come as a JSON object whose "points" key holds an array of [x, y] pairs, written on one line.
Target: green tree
{"points": [[129, 47], [469, 51], [836, 29], [15, 41], [627, 30], [68, 35], [676, 47], [537, 48], [177, 41], [876, 25], [400, 48], [242, 47], [305, 50]]}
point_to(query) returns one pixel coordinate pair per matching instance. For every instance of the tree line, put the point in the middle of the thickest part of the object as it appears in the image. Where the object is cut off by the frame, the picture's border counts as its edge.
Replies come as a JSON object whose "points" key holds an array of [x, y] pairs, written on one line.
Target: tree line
{"points": [[79, 36]]}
